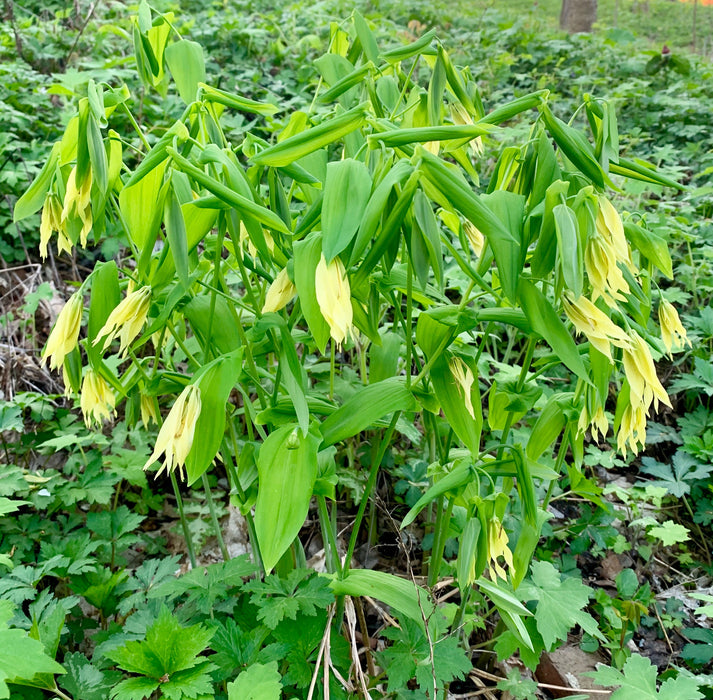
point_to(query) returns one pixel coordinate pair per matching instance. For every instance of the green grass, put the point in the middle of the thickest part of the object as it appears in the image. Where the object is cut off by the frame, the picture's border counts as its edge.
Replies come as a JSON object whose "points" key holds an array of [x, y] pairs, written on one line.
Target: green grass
{"points": [[665, 22]]}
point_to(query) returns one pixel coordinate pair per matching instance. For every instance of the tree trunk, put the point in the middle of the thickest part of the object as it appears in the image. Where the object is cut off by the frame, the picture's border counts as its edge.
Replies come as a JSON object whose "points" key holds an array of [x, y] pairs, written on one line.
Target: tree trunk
{"points": [[578, 15]]}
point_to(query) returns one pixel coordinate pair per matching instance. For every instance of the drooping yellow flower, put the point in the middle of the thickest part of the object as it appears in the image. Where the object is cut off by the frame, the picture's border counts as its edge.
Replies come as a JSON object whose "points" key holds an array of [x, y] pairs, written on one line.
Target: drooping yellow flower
{"points": [[475, 238], [334, 298], [610, 227], [65, 334], [96, 400], [245, 238], [673, 333], [127, 319], [498, 547], [596, 422], [465, 379], [67, 383], [77, 201], [280, 292], [641, 374], [604, 274], [632, 430], [149, 412], [175, 438], [50, 221], [595, 324]]}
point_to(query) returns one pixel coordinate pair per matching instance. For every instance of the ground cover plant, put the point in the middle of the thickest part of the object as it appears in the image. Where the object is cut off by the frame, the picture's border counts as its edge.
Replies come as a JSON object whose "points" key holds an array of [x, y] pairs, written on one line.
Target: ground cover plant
{"points": [[397, 331]]}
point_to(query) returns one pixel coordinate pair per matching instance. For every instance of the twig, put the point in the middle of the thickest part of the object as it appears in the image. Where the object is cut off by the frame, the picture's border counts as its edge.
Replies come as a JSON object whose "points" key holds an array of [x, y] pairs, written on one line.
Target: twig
{"points": [[81, 30], [320, 654], [663, 629]]}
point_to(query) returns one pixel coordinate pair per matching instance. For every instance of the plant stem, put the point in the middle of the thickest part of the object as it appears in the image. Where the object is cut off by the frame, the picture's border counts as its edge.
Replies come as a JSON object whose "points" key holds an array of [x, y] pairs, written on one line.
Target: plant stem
{"points": [[331, 553], [371, 481], [440, 536], [214, 518], [184, 522], [234, 477], [700, 532]]}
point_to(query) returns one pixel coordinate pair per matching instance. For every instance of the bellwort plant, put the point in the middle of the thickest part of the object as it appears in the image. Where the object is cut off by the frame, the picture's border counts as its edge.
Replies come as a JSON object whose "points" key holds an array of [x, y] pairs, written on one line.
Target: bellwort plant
{"points": [[366, 237]]}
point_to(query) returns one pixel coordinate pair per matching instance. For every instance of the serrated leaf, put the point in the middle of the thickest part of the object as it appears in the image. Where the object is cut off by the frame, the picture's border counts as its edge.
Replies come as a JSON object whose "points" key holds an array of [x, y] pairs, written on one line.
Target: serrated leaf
{"points": [[637, 681], [257, 682], [167, 649], [560, 603], [669, 533]]}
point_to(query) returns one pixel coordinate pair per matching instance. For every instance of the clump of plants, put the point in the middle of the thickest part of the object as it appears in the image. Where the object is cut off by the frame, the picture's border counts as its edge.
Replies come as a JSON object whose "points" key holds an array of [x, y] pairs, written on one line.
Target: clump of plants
{"points": [[292, 310]]}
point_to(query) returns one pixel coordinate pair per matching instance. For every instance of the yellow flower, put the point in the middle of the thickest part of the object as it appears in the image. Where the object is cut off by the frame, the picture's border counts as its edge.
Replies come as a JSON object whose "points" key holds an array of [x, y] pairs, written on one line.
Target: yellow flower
{"points": [[175, 438], [77, 200], [632, 430], [641, 374], [51, 220], [596, 422], [595, 324], [149, 413], [609, 226], [66, 382], [65, 334], [475, 238], [604, 274], [465, 379], [245, 238], [673, 333], [280, 293], [127, 319], [498, 547], [96, 400], [334, 298]]}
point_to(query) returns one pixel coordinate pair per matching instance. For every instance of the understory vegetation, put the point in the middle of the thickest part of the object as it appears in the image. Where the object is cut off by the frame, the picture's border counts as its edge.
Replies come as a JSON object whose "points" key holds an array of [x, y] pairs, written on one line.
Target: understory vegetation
{"points": [[355, 352]]}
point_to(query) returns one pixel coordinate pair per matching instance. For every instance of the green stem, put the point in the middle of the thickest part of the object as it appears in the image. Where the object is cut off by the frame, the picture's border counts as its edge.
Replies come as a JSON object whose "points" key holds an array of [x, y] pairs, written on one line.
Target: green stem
{"points": [[232, 467], [331, 369], [529, 352], [700, 532], [133, 123], [214, 518], [184, 522], [371, 482], [331, 553], [439, 541], [409, 321]]}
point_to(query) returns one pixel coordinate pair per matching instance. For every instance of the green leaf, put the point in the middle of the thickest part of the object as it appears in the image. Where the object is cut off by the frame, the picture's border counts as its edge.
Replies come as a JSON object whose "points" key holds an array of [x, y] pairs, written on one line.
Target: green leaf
{"points": [[216, 381], [637, 681], [346, 193], [176, 235], [167, 649], [307, 255], [669, 533], [21, 657], [279, 598], [546, 322], [310, 140], [257, 682], [569, 249], [185, 60], [141, 206], [462, 474], [365, 407], [105, 297], [560, 603], [34, 197], [86, 681], [398, 593], [287, 468]]}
